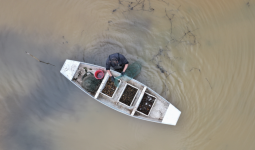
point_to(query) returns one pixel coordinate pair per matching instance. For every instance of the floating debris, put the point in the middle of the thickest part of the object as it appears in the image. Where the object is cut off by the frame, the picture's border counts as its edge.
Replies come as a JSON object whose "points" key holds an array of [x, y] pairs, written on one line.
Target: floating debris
{"points": [[39, 60]]}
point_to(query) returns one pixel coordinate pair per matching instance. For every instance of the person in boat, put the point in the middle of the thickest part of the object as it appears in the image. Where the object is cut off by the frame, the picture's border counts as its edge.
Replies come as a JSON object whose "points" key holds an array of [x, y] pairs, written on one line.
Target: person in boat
{"points": [[118, 62]]}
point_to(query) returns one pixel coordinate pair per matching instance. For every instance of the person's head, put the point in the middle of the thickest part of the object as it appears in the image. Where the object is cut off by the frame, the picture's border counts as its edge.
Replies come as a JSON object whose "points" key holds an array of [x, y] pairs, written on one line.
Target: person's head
{"points": [[114, 61]]}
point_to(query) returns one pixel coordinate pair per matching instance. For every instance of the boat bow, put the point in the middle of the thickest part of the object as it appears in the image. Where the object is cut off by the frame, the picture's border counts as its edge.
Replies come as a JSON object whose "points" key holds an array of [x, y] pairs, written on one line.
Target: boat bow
{"points": [[172, 115], [69, 68]]}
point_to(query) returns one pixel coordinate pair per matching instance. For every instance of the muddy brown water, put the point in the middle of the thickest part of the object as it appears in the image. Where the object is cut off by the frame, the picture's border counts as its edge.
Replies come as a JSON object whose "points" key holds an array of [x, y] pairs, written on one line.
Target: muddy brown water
{"points": [[198, 54]]}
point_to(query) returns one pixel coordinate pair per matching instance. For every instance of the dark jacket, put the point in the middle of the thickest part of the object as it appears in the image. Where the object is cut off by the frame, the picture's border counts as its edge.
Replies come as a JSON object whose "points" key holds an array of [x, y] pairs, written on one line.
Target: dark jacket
{"points": [[122, 61]]}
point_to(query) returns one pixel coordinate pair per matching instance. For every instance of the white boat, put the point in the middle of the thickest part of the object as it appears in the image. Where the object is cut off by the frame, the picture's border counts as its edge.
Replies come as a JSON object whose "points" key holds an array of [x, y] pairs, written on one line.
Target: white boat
{"points": [[161, 111]]}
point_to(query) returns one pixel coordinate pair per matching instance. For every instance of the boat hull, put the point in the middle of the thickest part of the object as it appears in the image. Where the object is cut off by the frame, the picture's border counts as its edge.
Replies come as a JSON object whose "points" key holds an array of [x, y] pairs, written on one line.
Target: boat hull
{"points": [[169, 114]]}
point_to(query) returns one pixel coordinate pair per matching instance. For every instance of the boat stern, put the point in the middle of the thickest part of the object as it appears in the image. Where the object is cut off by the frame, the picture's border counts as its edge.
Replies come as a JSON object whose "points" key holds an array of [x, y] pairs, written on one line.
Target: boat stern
{"points": [[171, 116], [69, 68]]}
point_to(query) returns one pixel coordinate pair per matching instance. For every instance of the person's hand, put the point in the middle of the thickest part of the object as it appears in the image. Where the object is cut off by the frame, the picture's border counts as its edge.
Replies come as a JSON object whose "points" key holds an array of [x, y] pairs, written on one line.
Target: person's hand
{"points": [[112, 78], [122, 73]]}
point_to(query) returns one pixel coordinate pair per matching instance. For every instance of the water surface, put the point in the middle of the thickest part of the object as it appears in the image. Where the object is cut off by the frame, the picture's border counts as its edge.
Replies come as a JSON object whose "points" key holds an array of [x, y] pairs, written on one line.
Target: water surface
{"points": [[197, 54]]}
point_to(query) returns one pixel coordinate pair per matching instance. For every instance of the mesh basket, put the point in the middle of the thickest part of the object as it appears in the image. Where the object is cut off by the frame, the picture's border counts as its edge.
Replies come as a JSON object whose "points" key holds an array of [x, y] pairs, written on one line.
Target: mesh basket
{"points": [[90, 83], [132, 71]]}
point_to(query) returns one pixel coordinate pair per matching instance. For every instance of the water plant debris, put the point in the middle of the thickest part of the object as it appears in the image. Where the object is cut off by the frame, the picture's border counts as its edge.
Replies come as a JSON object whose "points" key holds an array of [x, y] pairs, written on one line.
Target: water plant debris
{"points": [[128, 95], [109, 88], [146, 104], [39, 60]]}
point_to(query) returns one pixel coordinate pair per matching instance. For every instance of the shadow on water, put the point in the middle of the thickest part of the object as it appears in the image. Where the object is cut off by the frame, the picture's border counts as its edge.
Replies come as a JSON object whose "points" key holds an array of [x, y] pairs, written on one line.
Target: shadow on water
{"points": [[32, 91]]}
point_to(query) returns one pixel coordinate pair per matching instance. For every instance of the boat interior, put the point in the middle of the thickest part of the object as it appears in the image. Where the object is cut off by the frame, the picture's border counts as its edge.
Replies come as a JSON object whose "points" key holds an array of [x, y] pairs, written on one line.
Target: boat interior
{"points": [[156, 112]]}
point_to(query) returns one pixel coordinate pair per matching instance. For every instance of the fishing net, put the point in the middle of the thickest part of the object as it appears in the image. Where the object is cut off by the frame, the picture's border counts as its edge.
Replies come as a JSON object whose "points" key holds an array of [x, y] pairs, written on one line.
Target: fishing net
{"points": [[89, 82], [132, 71]]}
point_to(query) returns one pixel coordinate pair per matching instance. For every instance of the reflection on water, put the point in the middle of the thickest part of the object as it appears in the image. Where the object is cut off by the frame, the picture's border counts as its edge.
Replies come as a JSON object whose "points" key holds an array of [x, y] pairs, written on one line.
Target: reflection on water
{"points": [[197, 54]]}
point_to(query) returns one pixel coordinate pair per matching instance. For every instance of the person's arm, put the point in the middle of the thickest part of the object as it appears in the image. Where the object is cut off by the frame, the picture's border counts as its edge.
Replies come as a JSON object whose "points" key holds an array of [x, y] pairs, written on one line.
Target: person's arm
{"points": [[108, 67], [124, 61], [125, 68], [109, 72], [111, 76]]}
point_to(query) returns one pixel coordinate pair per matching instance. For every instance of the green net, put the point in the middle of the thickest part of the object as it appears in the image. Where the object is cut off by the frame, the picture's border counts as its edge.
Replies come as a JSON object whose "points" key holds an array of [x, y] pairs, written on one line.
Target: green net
{"points": [[132, 71], [90, 83]]}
